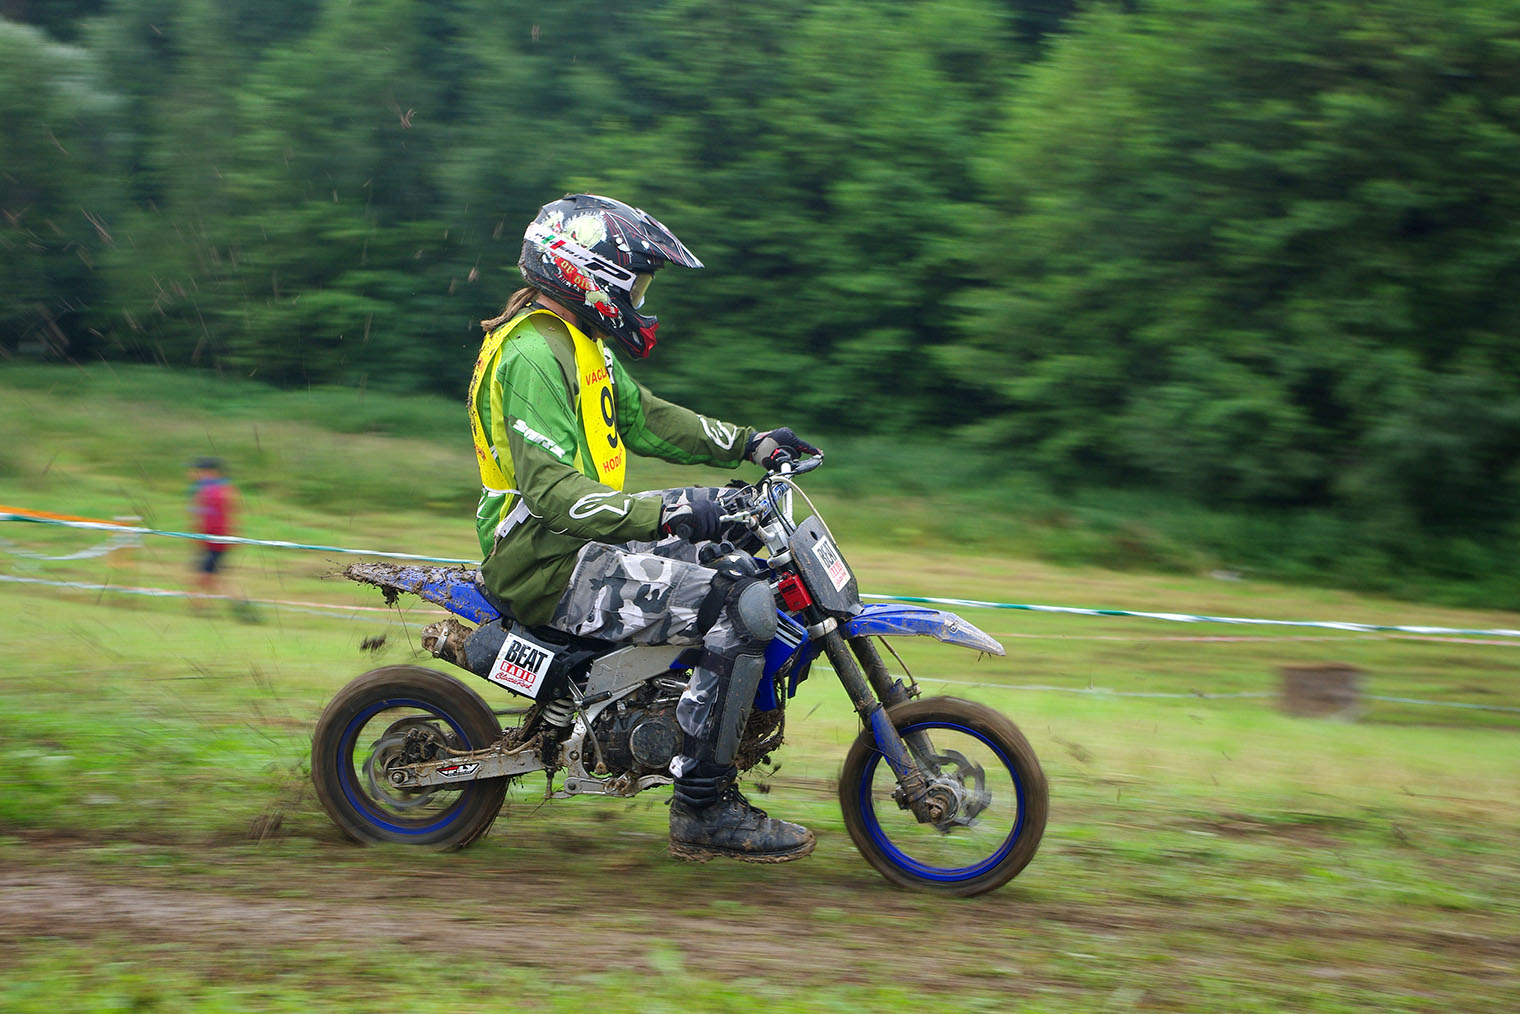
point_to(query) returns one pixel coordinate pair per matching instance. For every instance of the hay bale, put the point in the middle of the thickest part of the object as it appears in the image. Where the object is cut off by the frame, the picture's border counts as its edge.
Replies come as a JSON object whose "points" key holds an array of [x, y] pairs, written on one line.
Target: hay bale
{"points": [[1327, 690]]}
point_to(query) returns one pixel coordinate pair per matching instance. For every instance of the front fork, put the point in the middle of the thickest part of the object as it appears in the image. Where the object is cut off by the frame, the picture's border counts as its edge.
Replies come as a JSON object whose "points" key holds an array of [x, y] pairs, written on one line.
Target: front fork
{"points": [[872, 693]]}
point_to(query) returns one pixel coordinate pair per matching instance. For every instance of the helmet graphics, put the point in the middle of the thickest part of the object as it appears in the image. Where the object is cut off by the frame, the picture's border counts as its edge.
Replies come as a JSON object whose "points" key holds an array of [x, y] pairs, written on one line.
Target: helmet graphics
{"points": [[597, 255]]}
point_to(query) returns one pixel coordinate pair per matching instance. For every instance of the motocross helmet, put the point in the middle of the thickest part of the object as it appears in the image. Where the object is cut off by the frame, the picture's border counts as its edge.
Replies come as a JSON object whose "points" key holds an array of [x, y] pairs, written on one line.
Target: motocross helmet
{"points": [[597, 256]]}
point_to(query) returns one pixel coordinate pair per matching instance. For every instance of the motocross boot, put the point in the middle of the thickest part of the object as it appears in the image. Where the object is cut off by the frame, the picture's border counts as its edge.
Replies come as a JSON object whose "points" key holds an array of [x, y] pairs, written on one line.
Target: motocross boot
{"points": [[710, 819]]}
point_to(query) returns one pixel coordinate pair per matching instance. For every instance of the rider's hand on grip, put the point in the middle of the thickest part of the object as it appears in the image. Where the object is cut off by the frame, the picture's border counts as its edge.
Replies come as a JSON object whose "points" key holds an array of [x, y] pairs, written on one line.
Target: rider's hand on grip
{"points": [[691, 514], [773, 448]]}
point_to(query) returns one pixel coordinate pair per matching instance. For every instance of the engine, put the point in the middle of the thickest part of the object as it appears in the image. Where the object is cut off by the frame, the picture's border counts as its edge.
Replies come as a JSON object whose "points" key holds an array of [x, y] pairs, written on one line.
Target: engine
{"points": [[639, 734]]}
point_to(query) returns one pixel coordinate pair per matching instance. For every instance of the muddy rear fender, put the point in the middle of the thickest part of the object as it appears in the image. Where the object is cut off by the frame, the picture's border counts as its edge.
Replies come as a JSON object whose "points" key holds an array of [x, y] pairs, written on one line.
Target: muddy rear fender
{"points": [[453, 588]]}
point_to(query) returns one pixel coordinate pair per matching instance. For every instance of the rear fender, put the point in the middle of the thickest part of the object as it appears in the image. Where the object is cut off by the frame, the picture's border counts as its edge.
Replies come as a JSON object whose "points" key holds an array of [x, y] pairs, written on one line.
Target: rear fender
{"points": [[450, 587], [890, 619]]}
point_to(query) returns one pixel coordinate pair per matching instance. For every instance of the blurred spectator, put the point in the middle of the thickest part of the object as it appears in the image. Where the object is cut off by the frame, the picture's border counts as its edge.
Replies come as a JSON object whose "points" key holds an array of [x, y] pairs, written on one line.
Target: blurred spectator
{"points": [[212, 501]]}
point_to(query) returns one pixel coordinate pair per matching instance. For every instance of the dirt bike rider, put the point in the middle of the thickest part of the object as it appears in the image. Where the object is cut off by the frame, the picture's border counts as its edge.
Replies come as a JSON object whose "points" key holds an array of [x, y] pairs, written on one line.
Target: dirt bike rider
{"points": [[553, 414]]}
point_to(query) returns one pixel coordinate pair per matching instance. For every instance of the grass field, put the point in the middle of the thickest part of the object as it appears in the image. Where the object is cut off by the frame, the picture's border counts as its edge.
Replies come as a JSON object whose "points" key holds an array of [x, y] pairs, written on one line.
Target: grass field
{"points": [[160, 848]]}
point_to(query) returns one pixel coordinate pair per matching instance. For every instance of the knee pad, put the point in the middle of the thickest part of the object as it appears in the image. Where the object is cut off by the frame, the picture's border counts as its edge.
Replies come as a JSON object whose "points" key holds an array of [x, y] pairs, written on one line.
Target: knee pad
{"points": [[741, 667], [735, 573], [753, 610]]}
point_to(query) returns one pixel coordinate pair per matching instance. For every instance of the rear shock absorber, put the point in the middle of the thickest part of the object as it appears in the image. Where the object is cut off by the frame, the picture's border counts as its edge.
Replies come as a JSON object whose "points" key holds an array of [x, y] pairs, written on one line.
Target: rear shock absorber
{"points": [[559, 713]]}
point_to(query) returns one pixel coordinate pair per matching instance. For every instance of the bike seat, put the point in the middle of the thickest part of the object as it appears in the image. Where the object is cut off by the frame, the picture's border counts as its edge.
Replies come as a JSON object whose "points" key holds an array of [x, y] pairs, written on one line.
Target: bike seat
{"points": [[547, 634], [499, 604]]}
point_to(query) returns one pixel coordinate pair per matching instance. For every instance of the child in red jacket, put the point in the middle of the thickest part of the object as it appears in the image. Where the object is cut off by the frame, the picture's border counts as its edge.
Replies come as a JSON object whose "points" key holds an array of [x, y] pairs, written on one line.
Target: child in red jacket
{"points": [[212, 502]]}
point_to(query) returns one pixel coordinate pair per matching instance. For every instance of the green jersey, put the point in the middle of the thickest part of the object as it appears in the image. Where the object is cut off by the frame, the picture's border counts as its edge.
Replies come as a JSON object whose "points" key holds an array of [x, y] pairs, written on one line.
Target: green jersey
{"points": [[543, 497]]}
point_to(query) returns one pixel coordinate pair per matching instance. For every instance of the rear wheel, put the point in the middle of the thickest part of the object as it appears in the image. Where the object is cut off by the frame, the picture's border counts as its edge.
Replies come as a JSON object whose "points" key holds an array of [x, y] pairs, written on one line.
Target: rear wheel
{"points": [[990, 793], [403, 714]]}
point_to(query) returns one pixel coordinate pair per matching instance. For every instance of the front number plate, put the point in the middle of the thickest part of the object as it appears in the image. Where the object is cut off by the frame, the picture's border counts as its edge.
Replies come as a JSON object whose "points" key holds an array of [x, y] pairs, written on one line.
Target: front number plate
{"points": [[827, 555]]}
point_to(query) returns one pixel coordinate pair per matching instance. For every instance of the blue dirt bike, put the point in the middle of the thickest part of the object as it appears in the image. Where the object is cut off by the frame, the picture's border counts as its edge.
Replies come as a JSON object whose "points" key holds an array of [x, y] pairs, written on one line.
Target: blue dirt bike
{"points": [[939, 793]]}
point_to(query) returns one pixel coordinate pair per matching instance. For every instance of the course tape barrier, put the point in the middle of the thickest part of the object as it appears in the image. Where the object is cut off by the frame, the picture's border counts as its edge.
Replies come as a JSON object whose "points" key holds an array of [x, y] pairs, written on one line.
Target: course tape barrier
{"points": [[119, 539], [1197, 695], [1360, 628], [61, 521], [1251, 639], [314, 608], [28, 514], [366, 613], [9, 514], [111, 545]]}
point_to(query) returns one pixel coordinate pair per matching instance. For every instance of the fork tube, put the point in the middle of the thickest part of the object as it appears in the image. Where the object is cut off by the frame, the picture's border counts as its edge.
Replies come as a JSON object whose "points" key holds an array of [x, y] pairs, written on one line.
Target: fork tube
{"points": [[892, 693], [888, 740], [889, 691], [861, 694]]}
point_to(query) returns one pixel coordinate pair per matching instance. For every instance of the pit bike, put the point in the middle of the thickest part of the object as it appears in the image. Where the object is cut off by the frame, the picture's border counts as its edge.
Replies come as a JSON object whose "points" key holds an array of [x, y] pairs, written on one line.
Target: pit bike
{"points": [[938, 793]]}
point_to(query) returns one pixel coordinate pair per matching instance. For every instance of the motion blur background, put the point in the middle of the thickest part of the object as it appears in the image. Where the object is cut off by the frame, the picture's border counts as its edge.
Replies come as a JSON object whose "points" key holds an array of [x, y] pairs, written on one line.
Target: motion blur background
{"points": [[1242, 273]]}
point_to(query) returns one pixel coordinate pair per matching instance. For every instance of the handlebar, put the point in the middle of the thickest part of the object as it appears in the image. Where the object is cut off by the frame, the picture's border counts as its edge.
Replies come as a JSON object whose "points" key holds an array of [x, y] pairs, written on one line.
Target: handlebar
{"points": [[791, 466], [785, 470]]}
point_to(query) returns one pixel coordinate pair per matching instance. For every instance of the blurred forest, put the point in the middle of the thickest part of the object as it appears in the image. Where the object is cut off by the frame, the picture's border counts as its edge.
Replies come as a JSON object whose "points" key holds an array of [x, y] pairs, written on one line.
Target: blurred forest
{"points": [[1257, 256]]}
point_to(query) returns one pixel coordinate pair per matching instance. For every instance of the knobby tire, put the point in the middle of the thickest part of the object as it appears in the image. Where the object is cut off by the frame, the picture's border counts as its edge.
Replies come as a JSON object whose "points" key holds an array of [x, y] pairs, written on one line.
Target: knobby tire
{"points": [[336, 746], [1019, 760]]}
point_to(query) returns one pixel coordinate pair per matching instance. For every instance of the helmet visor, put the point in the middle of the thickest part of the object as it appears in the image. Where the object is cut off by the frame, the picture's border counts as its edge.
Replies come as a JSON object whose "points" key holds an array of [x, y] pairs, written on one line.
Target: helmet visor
{"points": [[640, 286]]}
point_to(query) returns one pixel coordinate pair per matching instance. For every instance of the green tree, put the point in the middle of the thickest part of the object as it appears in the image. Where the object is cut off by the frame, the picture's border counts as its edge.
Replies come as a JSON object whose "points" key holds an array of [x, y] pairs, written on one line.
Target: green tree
{"points": [[169, 59], [1230, 242], [330, 188], [62, 19], [58, 189], [817, 158]]}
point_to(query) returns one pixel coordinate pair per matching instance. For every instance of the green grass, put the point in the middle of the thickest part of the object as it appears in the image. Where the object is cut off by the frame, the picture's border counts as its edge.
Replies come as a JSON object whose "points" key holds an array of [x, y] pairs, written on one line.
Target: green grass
{"points": [[333, 451], [1201, 855], [160, 847]]}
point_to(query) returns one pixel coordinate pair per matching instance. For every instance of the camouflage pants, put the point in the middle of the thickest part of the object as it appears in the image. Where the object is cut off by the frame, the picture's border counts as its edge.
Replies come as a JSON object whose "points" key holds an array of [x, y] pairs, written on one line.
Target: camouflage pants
{"points": [[649, 593]]}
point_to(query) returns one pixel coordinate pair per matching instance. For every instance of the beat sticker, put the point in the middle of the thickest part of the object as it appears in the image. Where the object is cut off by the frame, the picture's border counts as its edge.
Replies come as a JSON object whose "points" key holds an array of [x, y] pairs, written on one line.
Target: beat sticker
{"points": [[521, 666], [829, 557]]}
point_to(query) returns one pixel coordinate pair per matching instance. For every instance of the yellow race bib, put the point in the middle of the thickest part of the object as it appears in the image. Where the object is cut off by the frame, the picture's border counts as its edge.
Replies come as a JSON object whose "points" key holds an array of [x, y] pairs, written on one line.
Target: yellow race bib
{"points": [[598, 411]]}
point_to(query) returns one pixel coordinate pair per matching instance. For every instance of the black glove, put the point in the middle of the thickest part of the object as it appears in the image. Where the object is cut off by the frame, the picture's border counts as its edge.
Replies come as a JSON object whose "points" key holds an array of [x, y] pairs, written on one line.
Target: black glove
{"points": [[691, 514], [773, 448]]}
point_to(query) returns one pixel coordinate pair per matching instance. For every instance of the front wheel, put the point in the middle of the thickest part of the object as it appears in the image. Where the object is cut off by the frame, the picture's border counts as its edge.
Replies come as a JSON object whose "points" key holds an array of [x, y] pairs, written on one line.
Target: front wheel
{"points": [[990, 794], [403, 714]]}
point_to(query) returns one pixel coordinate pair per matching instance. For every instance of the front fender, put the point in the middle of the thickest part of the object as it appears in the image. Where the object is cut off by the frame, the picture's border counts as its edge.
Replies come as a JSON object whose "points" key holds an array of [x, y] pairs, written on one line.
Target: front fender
{"points": [[890, 618]]}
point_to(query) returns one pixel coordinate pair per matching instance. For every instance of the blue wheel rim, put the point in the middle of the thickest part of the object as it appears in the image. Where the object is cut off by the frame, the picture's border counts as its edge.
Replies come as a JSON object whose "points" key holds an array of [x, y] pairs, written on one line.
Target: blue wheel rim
{"points": [[905, 862], [360, 801]]}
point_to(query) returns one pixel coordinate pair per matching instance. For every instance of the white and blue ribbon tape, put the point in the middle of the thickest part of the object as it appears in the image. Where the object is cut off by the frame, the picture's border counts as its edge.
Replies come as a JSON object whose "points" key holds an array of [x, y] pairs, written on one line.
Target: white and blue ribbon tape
{"points": [[909, 599]]}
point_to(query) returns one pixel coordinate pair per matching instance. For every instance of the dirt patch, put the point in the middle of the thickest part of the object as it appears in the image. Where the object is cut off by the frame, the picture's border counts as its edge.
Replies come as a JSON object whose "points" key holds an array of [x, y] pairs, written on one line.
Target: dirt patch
{"points": [[773, 931], [1302, 830], [37, 903], [750, 923]]}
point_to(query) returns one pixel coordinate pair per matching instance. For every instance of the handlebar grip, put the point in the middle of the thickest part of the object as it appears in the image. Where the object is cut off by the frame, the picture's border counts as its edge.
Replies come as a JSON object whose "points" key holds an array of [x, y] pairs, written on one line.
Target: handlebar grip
{"points": [[794, 466]]}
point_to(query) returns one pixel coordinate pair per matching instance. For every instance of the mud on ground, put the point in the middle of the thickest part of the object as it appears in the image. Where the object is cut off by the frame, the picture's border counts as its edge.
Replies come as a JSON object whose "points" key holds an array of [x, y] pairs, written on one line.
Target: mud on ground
{"points": [[797, 924]]}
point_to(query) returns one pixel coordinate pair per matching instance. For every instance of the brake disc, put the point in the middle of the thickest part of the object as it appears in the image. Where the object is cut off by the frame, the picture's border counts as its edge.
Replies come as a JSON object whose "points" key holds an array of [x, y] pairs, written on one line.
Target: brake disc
{"points": [[967, 783], [407, 741]]}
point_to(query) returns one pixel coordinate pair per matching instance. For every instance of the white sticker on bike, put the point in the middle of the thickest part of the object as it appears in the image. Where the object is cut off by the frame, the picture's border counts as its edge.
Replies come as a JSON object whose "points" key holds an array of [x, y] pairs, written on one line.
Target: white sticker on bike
{"points": [[458, 770], [521, 666], [829, 557]]}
